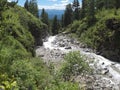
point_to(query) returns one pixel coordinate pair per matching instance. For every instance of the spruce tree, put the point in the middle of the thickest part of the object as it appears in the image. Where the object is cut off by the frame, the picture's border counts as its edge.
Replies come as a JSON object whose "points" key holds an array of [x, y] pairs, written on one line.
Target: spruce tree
{"points": [[55, 25], [83, 9], [91, 12], [68, 15], [76, 4], [26, 5], [62, 21], [32, 7], [76, 9], [44, 17], [117, 4]]}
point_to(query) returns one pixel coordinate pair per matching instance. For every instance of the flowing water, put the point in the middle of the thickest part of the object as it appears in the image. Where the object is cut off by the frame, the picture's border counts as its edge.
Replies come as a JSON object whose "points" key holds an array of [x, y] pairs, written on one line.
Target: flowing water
{"points": [[99, 63]]}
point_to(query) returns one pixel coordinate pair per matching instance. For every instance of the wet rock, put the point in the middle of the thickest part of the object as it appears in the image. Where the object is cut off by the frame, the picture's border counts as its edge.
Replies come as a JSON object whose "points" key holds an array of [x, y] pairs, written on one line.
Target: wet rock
{"points": [[105, 68], [113, 63], [68, 47], [103, 63], [104, 72], [110, 76], [62, 45], [41, 56]]}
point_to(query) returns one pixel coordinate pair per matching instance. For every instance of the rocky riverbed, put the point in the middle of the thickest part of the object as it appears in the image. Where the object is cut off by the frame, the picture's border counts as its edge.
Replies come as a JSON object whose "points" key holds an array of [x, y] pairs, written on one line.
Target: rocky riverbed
{"points": [[106, 74]]}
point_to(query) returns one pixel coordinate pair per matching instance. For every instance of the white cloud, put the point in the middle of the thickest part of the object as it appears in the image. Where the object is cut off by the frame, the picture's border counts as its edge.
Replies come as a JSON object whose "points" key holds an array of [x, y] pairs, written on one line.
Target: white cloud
{"points": [[65, 1], [59, 6]]}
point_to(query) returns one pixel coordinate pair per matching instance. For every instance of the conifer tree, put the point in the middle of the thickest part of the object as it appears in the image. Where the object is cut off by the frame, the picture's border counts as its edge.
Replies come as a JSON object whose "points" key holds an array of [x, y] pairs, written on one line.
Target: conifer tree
{"points": [[62, 21], [91, 12], [44, 17], [76, 9], [55, 25], [83, 9], [117, 4], [26, 5], [68, 15], [32, 7]]}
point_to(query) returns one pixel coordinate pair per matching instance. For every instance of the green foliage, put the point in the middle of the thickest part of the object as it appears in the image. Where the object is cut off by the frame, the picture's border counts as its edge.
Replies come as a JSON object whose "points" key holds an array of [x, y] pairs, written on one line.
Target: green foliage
{"points": [[68, 15], [32, 24], [3, 5], [7, 83], [18, 29], [64, 86], [10, 50], [32, 7], [76, 10], [78, 27], [30, 74], [91, 13], [55, 25], [13, 27], [74, 65], [44, 17], [83, 10]]}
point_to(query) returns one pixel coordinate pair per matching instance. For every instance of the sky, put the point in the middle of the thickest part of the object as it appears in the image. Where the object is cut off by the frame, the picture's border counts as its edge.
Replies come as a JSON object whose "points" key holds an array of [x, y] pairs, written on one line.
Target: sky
{"points": [[49, 4]]}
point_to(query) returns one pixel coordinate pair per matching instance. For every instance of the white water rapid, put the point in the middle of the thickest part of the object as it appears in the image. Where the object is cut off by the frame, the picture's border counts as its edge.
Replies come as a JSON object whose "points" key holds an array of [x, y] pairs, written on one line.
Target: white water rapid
{"points": [[101, 64]]}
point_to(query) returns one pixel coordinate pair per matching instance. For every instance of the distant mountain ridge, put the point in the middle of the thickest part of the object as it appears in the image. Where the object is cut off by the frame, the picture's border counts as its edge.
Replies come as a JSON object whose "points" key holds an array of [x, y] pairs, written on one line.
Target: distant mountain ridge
{"points": [[53, 12]]}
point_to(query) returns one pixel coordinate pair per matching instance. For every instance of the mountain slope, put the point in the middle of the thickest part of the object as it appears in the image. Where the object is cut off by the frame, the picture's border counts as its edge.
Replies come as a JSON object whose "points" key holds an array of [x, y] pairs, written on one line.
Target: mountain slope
{"points": [[103, 36]]}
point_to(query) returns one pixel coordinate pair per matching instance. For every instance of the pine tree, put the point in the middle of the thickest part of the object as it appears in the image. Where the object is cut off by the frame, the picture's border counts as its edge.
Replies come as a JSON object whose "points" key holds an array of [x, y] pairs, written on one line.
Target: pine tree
{"points": [[76, 9], [32, 7], [55, 25], [76, 4], [99, 4], [26, 5], [62, 21], [91, 12], [117, 4], [83, 9], [68, 15], [44, 17]]}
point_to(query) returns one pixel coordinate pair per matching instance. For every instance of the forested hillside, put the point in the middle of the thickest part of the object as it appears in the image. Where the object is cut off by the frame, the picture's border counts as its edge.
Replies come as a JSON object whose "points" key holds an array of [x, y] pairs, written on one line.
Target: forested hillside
{"points": [[20, 32], [98, 26]]}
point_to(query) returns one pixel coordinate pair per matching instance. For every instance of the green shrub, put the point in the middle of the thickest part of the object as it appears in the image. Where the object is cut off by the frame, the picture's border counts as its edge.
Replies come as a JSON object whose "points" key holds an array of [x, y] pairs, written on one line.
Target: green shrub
{"points": [[31, 74], [64, 86], [74, 65]]}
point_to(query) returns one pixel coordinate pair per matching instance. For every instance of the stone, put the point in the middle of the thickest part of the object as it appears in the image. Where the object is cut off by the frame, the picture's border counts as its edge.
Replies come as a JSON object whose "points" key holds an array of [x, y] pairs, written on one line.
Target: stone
{"points": [[110, 76], [112, 63], [41, 56], [68, 47], [105, 72], [105, 68], [62, 45], [103, 63]]}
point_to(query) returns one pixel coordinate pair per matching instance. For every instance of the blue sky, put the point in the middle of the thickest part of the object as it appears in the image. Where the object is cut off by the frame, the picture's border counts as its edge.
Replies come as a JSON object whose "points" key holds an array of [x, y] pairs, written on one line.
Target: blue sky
{"points": [[50, 4]]}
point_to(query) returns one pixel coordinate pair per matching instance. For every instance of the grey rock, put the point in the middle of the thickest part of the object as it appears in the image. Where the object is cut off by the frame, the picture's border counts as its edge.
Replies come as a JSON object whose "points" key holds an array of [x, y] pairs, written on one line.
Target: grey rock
{"points": [[68, 47], [105, 72]]}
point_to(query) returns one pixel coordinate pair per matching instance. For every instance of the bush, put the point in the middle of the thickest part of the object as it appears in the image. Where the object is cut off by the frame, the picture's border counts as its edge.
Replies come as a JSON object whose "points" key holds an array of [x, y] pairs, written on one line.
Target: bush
{"points": [[74, 65], [64, 86], [31, 74]]}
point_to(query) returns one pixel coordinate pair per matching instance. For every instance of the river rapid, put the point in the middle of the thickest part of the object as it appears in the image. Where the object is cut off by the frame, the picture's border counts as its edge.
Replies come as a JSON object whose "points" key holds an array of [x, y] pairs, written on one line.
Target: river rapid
{"points": [[106, 73]]}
